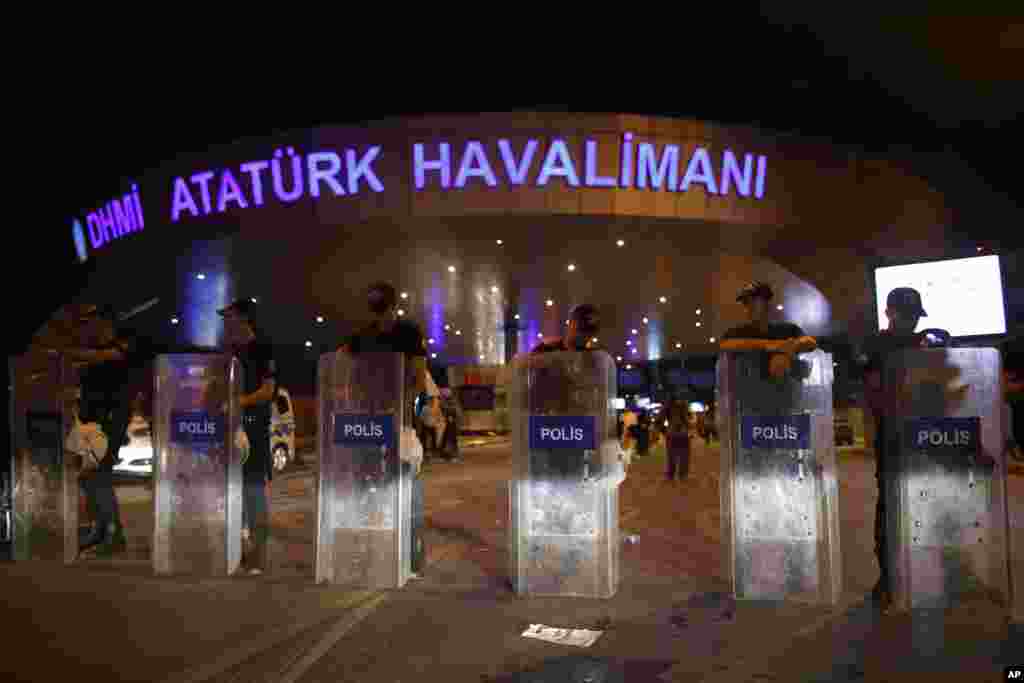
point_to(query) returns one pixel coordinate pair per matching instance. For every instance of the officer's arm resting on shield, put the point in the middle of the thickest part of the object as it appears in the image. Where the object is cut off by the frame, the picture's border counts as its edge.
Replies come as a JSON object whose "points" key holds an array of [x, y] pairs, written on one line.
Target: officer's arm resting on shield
{"points": [[784, 346], [88, 355]]}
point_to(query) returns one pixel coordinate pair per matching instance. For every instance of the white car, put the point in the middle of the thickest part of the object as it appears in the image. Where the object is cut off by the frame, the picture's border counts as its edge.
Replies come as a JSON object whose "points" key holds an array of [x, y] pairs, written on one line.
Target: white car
{"points": [[282, 430], [136, 457]]}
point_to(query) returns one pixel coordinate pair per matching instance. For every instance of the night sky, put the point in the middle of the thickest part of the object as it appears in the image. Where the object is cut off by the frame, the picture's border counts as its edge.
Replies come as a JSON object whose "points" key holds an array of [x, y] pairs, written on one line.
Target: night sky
{"points": [[118, 98]]}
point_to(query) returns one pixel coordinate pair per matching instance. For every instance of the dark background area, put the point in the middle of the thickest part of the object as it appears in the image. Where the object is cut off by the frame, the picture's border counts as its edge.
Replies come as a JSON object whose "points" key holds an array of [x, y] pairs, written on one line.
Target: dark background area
{"points": [[104, 99], [107, 98]]}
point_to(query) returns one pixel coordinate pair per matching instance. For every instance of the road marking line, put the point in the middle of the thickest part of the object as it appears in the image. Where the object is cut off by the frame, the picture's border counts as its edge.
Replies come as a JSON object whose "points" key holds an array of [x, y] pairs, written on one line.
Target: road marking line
{"points": [[238, 656], [345, 624]]}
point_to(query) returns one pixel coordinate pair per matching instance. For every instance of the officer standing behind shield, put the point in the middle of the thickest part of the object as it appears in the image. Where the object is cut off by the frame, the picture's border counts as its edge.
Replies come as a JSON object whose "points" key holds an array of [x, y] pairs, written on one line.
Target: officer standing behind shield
{"points": [[584, 324], [387, 334], [253, 350], [781, 340], [903, 309]]}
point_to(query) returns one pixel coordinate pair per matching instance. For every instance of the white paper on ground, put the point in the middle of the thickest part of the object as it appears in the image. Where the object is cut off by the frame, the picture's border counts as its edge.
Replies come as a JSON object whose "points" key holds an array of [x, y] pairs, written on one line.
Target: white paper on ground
{"points": [[565, 636]]}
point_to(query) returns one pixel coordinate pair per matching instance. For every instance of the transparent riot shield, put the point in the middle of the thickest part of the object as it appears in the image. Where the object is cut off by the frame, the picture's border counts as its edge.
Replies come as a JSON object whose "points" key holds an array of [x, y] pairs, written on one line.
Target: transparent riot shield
{"points": [[45, 491], [563, 497], [365, 534], [779, 494], [198, 442], [945, 477]]}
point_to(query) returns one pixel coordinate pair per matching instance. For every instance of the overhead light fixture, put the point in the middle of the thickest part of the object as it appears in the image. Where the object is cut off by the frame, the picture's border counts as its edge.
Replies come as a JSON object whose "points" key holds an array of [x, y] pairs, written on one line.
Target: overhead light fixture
{"points": [[540, 336], [499, 242], [254, 300], [550, 303], [405, 295], [451, 269], [620, 243], [201, 276], [433, 355], [629, 342], [320, 319], [494, 289], [779, 307], [481, 357], [517, 316], [430, 341], [980, 248], [594, 339], [645, 321], [712, 340], [572, 267], [401, 312], [629, 367], [309, 344], [697, 323], [618, 358], [447, 327], [174, 321], [634, 350], [458, 331], [698, 311], [678, 345], [634, 331]]}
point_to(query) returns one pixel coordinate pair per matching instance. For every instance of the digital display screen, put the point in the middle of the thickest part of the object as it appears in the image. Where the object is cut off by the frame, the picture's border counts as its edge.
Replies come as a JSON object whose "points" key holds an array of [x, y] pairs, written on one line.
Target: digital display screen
{"points": [[963, 296]]}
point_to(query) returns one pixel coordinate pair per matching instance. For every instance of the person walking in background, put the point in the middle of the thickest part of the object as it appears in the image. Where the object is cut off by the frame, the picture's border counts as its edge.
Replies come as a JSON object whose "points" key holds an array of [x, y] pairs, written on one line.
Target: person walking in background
{"points": [[450, 416], [678, 447]]}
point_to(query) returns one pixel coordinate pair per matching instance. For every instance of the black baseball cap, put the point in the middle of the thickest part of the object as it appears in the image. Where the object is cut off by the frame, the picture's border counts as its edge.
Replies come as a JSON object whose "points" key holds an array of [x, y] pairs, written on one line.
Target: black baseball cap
{"points": [[753, 289], [905, 299], [587, 317], [381, 296], [241, 306]]}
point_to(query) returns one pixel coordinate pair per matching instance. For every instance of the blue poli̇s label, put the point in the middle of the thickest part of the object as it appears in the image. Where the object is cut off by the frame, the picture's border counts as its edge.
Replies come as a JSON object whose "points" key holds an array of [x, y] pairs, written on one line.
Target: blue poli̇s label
{"points": [[195, 427], [941, 433], [776, 431], [364, 430], [562, 432]]}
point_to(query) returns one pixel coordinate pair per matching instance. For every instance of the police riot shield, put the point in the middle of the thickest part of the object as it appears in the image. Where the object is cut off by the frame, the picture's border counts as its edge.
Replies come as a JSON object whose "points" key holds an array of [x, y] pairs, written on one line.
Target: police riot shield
{"points": [[563, 496], [365, 534], [199, 444], [943, 454], [779, 494], [45, 480]]}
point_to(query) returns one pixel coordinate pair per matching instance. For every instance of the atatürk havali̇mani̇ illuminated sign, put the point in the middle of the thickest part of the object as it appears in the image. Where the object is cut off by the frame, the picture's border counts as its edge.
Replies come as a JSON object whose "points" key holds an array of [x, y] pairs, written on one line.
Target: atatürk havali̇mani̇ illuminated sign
{"points": [[289, 175]]}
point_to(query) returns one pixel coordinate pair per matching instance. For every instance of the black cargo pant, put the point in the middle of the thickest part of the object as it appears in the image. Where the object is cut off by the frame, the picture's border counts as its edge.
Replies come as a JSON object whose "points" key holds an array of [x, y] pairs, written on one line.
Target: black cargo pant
{"points": [[255, 473]]}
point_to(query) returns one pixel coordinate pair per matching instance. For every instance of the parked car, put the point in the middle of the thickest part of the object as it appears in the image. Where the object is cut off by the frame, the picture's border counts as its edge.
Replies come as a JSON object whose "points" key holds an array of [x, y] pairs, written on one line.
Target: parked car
{"points": [[136, 457], [282, 430]]}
